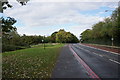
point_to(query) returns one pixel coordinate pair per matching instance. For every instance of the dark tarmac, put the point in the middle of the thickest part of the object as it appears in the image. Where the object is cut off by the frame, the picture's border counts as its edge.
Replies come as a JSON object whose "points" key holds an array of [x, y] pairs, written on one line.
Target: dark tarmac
{"points": [[68, 67], [104, 64]]}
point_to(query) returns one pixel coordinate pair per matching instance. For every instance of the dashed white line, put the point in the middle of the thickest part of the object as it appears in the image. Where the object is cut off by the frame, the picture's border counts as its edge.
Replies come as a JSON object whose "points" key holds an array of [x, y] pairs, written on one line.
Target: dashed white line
{"points": [[101, 55], [114, 61], [92, 52], [85, 49], [98, 54], [95, 53]]}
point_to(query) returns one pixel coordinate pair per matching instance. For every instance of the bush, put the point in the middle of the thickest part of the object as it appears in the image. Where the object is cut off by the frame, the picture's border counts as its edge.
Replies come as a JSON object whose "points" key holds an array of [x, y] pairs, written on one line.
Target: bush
{"points": [[11, 48]]}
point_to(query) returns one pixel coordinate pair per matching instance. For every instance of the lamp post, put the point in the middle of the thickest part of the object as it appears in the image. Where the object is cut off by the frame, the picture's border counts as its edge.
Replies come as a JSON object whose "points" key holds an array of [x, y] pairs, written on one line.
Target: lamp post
{"points": [[43, 41]]}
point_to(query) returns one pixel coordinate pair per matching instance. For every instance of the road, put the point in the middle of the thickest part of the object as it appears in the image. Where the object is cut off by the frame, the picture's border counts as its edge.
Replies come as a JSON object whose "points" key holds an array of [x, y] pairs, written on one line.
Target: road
{"points": [[67, 66], [86, 62]]}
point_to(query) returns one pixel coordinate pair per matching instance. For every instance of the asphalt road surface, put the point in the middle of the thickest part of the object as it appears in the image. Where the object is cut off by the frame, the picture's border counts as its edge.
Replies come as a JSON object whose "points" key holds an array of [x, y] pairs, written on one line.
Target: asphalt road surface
{"points": [[79, 61], [67, 66]]}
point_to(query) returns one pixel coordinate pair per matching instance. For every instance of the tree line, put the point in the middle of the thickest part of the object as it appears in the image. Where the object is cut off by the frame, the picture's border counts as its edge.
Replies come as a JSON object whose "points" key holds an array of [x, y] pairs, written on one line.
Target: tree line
{"points": [[11, 40], [105, 31]]}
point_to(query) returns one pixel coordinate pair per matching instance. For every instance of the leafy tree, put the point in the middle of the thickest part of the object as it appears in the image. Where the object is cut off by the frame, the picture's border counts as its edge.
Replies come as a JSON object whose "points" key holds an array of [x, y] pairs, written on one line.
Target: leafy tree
{"points": [[60, 36], [102, 32], [69, 37], [7, 24], [53, 37], [65, 37], [4, 4], [48, 39], [8, 30]]}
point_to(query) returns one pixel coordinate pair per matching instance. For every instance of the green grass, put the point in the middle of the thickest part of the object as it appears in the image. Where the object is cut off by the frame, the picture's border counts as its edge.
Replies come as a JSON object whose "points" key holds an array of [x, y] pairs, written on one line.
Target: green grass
{"points": [[30, 63]]}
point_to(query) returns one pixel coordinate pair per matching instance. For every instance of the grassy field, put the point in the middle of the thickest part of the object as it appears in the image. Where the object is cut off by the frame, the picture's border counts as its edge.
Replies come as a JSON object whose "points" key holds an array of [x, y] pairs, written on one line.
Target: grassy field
{"points": [[34, 62]]}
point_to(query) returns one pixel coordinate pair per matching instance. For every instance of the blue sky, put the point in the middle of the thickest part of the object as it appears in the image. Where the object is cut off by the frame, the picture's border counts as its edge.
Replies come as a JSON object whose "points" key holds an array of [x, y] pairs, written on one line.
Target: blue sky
{"points": [[97, 12], [43, 18]]}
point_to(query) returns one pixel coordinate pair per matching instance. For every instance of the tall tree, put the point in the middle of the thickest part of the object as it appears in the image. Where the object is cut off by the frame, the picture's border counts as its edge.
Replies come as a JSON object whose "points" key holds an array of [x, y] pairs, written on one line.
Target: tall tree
{"points": [[53, 37], [7, 24], [65, 37], [105, 31], [60, 36]]}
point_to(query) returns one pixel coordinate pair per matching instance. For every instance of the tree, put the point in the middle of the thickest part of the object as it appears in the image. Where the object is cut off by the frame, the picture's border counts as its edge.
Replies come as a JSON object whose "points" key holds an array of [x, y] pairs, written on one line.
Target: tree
{"points": [[4, 4], [7, 24], [48, 39], [60, 36], [69, 37], [53, 37], [65, 37], [74, 39], [102, 32]]}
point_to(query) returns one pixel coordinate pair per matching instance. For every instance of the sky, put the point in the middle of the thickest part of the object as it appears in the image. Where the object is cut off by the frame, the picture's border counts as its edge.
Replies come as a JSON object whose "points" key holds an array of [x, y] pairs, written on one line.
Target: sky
{"points": [[43, 17]]}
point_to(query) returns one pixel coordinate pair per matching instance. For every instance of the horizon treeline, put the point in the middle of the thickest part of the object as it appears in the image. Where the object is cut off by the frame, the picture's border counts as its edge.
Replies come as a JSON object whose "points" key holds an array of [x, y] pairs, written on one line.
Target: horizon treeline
{"points": [[105, 31], [11, 40]]}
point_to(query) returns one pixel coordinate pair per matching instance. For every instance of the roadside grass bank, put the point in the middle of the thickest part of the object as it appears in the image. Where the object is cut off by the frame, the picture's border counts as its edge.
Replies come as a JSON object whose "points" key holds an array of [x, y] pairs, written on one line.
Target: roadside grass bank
{"points": [[33, 62]]}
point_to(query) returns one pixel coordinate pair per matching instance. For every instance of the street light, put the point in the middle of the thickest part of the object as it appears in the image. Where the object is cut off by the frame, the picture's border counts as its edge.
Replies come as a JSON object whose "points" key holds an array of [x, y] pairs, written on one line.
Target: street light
{"points": [[43, 41]]}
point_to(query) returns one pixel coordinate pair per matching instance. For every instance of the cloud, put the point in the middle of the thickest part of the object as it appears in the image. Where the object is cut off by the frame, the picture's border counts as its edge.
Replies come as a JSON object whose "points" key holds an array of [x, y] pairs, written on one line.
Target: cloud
{"points": [[70, 0], [38, 18], [78, 29], [45, 14]]}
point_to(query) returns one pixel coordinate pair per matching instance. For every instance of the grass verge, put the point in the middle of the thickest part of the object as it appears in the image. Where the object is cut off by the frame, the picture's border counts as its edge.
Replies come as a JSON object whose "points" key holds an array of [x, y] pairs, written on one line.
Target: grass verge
{"points": [[30, 63]]}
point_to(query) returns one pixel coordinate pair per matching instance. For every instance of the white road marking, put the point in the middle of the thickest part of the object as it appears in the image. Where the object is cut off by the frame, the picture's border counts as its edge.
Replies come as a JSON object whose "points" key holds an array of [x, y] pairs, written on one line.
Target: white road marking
{"points": [[84, 49], [97, 54], [86, 67], [101, 55], [91, 52], [114, 61]]}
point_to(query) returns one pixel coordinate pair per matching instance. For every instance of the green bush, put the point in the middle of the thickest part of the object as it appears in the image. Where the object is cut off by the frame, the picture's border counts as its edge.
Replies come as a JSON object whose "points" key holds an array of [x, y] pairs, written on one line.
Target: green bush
{"points": [[11, 48]]}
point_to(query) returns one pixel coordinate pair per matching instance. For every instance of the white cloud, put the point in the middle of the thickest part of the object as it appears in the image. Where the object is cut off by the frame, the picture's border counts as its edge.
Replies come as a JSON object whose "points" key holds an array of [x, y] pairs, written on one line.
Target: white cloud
{"points": [[45, 14], [70, 0], [36, 17], [78, 29]]}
